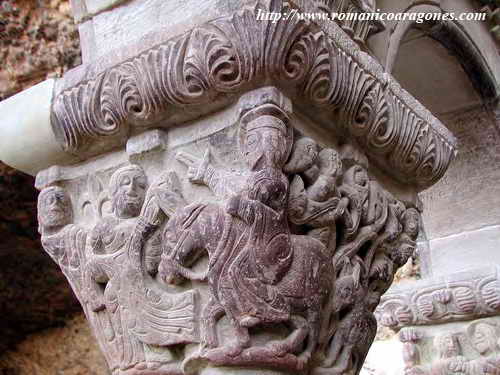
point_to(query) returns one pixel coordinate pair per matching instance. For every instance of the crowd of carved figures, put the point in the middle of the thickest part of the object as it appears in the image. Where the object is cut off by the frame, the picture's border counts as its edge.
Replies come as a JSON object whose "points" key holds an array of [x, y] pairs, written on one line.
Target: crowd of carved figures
{"points": [[302, 238], [480, 339]]}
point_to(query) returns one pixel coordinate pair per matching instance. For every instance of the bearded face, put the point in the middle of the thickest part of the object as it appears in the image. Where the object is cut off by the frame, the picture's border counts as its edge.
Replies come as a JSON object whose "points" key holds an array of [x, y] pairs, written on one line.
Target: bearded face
{"points": [[264, 147], [484, 338], [448, 347], [411, 221], [54, 208], [128, 193]]}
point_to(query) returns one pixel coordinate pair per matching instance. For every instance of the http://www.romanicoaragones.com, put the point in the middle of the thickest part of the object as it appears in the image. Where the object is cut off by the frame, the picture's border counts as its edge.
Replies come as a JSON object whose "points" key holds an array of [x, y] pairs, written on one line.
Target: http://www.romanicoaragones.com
{"points": [[418, 17]]}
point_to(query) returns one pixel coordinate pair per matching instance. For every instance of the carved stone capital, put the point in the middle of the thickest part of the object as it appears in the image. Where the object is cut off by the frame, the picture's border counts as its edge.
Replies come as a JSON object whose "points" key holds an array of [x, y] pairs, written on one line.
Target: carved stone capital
{"points": [[236, 242]]}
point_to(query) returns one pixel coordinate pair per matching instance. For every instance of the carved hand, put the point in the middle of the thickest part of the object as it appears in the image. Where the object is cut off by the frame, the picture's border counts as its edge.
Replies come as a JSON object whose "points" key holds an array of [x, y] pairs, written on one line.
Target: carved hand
{"points": [[196, 167], [458, 365]]}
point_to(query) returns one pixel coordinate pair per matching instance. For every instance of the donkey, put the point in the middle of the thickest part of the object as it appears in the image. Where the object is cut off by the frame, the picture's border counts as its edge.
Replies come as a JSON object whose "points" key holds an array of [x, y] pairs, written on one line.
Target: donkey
{"points": [[207, 229]]}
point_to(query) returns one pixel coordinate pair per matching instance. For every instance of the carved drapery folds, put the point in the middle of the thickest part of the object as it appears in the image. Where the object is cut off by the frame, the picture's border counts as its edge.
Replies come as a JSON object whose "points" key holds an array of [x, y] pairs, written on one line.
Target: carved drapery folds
{"points": [[207, 66], [275, 261]]}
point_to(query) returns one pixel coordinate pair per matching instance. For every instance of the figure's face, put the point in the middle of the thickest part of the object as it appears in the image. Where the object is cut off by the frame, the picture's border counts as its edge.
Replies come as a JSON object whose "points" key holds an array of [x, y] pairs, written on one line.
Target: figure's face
{"points": [[450, 347], [481, 339], [130, 193], [411, 222], [54, 208], [264, 146], [361, 178]]}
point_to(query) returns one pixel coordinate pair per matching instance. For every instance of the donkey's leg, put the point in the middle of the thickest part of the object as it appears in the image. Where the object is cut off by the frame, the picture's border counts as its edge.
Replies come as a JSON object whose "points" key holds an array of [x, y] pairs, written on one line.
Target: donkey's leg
{"points": [[336, 345], [314, 322], [293, 343], [339, 366], [211, 313], [229, 301], [344, 362]]}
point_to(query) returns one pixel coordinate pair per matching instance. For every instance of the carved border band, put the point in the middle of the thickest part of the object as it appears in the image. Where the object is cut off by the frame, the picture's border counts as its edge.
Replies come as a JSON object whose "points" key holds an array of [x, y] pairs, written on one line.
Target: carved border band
{"points": [[230, 55], [456, 297]]}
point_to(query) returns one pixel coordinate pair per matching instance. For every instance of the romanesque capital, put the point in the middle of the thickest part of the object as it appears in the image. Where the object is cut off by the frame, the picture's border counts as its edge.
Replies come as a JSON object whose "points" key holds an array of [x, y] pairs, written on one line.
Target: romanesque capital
{"points": [[251, 247], [232, 196]]}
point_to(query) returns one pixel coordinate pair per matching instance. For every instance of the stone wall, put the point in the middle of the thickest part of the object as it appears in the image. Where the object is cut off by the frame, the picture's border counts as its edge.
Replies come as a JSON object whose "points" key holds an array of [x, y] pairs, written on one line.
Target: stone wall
{"points": [[68, 350], [38, 39], [461, 221], [43, 329]]}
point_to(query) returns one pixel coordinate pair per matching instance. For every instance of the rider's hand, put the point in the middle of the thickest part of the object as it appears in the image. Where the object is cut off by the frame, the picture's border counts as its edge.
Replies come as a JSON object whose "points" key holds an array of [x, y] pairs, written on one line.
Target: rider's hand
{"points": [[196, 167]]}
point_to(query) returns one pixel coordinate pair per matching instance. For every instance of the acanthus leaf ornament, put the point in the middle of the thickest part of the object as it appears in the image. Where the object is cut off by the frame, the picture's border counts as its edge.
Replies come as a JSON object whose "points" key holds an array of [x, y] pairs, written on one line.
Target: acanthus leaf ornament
{"points": [[206, 67]]}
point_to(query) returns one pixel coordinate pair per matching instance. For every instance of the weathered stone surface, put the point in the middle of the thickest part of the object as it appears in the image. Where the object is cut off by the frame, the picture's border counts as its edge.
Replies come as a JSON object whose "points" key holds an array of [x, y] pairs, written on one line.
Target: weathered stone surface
{"points": [[244, 241], [95, 110], [465, 251], [38, 40], [464, 295], [252, 247], [470, 349], [468, 197]]}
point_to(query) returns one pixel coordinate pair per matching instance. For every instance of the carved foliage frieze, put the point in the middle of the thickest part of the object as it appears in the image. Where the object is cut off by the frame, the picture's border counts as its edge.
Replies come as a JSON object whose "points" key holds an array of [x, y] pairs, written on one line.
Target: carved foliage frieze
{"points": [[457, 297], [279, 267], [230, 54]]}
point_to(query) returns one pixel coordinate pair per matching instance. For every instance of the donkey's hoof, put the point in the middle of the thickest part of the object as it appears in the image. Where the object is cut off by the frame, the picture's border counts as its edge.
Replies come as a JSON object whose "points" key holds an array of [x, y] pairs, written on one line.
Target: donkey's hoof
{"points": [[278, 348], [234, 350]]}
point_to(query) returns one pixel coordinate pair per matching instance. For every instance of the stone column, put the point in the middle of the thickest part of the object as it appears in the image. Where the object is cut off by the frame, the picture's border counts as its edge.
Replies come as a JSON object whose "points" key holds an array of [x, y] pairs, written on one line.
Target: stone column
{"points": [[449, 321], [234, 193]]}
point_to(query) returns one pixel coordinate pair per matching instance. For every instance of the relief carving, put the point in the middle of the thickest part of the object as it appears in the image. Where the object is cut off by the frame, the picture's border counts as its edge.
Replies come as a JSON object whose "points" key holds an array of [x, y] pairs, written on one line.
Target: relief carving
{"points": [[220, 59], [452, 298], [474, 351], [281, 268]]}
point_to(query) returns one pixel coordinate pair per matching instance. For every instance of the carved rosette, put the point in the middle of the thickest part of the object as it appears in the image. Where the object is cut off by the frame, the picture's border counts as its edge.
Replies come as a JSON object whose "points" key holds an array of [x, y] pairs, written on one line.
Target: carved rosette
{"points": [[250, 247]]}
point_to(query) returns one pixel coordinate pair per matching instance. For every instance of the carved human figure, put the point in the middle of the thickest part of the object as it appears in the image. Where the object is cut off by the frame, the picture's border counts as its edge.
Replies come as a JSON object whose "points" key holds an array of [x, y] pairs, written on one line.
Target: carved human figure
{"points": [[352, 338], [61, 239], [255, 257], [450, 357], [65, 243], [265, 142], [365, 218], [318, 205], [108, 260], [406, 243], [483, 336], [411, 352]]}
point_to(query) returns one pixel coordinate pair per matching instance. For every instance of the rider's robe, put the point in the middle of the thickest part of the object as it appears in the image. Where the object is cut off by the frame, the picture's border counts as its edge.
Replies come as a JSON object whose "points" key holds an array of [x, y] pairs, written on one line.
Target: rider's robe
{"points": [[254, 254]]}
